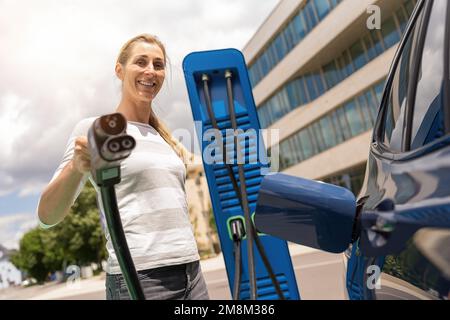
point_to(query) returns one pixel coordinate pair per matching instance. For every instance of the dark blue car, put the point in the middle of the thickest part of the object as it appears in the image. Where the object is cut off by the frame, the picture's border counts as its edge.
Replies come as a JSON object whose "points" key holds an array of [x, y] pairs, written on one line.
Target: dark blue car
{"points": [[396, 234]]}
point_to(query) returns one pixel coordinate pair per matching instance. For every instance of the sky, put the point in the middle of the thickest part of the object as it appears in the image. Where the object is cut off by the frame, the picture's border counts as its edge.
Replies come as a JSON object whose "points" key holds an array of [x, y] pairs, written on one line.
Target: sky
{"points": [[57, 67]]}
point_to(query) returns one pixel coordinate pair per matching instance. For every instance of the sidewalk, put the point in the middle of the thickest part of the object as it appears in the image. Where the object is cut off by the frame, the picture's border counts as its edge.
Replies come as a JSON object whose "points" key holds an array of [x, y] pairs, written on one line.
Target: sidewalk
{"points": [[54, 291], [218, 262], [65, 290]]}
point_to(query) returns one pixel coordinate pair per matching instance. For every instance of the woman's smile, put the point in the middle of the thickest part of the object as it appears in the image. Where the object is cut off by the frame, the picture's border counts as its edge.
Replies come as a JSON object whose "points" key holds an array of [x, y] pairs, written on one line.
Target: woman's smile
{"points": [[148, 85]]}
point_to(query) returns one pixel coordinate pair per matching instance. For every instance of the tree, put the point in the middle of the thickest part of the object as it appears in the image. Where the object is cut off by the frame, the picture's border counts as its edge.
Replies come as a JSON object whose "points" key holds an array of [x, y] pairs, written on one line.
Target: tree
{"points": [[78, 239], [81, 231], [30, 257]]}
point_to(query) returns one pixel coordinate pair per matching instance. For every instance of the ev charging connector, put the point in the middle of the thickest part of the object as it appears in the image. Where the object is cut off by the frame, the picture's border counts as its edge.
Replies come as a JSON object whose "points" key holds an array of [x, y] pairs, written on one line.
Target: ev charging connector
{"points": [[109, 145]]}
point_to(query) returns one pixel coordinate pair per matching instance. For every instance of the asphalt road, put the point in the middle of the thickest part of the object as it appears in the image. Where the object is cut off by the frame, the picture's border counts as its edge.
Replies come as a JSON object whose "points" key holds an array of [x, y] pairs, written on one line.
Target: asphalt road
{"points": [[320, 276]]}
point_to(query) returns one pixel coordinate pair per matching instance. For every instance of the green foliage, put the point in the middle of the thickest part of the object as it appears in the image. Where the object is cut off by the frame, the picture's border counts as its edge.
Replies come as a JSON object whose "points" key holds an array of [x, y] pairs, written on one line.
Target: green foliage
{"points": [[31, 256], [78, 239], [394, 266], [411, 266]]}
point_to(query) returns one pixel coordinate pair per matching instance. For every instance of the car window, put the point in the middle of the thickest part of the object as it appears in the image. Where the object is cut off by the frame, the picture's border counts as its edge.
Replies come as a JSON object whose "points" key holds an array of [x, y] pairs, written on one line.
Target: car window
{"points": [[428, 119], [394, 114]]}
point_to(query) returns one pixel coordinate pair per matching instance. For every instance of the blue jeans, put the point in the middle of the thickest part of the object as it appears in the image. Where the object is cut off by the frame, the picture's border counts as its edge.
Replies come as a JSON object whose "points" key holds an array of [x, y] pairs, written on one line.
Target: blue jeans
{"points": [[178, 282]]}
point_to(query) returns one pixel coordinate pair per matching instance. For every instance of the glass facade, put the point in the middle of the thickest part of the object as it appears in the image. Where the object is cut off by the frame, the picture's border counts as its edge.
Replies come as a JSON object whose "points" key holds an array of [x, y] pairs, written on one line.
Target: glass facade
{"points": [[310, 86], [346, 121], [352, 179], [296, 29]]}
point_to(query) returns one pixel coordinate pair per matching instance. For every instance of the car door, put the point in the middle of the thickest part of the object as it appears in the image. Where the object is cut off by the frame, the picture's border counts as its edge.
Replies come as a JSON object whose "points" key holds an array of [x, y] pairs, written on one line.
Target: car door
{"points": [[409, 164]]}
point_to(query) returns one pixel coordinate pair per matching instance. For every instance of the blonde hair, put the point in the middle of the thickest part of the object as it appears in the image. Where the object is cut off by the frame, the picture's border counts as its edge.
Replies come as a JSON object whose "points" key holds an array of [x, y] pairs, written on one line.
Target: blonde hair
{"points": [[153, 120]]}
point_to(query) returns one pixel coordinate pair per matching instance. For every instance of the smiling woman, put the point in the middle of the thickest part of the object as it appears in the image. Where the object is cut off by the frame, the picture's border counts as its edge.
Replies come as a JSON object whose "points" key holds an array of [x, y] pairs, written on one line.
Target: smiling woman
{"points": [[151, 196], [143, 61]]}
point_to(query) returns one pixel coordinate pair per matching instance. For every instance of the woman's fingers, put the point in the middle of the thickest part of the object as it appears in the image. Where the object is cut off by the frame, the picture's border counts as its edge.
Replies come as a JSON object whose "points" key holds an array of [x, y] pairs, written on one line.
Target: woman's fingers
{"points": [[82, 156], [85, 158], [82, 151], [81, 144]]}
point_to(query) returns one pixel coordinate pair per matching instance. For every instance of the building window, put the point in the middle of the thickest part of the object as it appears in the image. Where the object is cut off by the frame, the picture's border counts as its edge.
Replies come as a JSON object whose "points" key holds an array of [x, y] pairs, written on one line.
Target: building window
{"points": [[358, 55], [391, 35], [310, 85], [317, 82], [331, 74], [343, 123], [364, 106], [328, 132], [322, 8], [354, 118], [308, 149], [345, 65], [352, 179], [300, 25], [402, 17], [310, 15], [351, 119]]}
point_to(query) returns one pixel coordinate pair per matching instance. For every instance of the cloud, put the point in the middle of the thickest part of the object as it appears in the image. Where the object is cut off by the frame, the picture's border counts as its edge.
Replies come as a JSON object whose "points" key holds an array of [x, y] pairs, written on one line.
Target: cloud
{"points": [[14, 226], [57, 63]]}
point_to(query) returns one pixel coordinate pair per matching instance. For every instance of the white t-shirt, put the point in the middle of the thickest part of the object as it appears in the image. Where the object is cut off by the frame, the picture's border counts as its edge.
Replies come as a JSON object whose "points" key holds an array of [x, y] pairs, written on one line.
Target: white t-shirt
{"points": [[151, 199]]}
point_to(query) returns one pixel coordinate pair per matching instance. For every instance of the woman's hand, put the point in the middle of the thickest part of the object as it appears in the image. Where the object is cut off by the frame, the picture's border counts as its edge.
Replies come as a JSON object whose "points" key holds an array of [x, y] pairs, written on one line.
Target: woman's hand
{"points": [[82, 157]]}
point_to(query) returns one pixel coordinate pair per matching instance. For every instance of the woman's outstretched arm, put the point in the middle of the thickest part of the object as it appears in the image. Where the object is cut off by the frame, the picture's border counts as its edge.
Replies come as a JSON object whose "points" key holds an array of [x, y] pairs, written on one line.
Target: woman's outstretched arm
{"points": [[58, 196]]}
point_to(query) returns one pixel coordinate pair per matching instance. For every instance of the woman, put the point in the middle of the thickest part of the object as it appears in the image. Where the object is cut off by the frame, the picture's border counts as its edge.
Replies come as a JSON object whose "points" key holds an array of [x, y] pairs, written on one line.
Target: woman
{"points": [[151, 196]]}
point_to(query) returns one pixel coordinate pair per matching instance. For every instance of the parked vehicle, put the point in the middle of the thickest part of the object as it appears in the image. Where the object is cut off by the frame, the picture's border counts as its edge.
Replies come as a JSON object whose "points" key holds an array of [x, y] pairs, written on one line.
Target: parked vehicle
{"points": [[399, 226]]}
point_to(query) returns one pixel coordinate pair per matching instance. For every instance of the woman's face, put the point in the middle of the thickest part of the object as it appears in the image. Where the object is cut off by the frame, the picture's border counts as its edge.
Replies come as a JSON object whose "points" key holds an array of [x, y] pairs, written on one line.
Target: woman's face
{"points": [[144, 73]]}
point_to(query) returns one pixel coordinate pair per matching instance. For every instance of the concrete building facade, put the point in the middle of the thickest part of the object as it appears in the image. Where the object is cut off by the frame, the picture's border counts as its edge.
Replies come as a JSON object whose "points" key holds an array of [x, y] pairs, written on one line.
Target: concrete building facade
{"points": [[200, 209], [317, 68]]}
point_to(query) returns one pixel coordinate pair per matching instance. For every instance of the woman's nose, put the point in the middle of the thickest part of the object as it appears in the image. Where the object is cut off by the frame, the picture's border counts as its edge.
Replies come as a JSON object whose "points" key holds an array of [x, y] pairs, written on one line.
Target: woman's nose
{"points": [[149, 69]]}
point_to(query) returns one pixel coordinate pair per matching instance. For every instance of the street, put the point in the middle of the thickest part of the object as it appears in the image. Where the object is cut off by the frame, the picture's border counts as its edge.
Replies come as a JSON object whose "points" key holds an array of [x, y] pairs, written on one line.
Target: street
{"points": [[319, 275]]}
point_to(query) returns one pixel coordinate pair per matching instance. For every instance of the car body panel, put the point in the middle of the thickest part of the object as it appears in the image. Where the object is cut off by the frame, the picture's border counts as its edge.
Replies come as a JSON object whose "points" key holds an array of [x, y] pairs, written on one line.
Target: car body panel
{"points": [[407, 178]]}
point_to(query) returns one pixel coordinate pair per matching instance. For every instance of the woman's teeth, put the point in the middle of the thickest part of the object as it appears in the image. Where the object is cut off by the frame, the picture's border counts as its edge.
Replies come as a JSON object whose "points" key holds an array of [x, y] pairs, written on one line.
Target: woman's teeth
{"points": [[147, 84]]}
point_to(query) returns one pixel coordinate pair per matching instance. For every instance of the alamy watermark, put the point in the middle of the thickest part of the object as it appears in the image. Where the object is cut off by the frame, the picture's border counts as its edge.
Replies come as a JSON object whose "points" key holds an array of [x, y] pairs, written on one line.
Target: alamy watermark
{"points": [[374, 277], [235, 146], [73, 281], [374, 20]]}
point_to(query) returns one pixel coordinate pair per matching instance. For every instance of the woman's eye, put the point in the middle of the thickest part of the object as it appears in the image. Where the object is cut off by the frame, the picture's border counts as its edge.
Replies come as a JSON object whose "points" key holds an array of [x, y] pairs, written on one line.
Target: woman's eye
{"points": [[141, 62]]}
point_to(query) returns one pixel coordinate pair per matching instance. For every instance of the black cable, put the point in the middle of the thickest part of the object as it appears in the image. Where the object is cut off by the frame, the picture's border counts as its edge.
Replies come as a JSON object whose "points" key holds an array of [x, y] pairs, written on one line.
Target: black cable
{"points": [[251, 266], [267, 264], [259, 245], [205, 79], [119, 242], [237, 234], [245, 207], [254, 233], [237, 270]]}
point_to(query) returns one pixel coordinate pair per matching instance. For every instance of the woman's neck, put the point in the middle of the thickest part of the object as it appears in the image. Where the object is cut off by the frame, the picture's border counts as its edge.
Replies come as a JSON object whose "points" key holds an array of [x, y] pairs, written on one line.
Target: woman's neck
{"points": [[135, 112]]}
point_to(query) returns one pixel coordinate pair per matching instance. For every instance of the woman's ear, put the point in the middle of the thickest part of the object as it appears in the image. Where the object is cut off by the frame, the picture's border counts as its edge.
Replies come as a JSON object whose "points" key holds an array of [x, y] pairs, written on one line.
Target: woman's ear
{"points": [[119, 71]]}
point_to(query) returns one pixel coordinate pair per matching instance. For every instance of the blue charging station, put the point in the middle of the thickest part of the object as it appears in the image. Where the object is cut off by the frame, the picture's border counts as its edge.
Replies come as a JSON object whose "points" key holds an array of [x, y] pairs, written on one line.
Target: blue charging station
{"points": [[210, 77]]}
